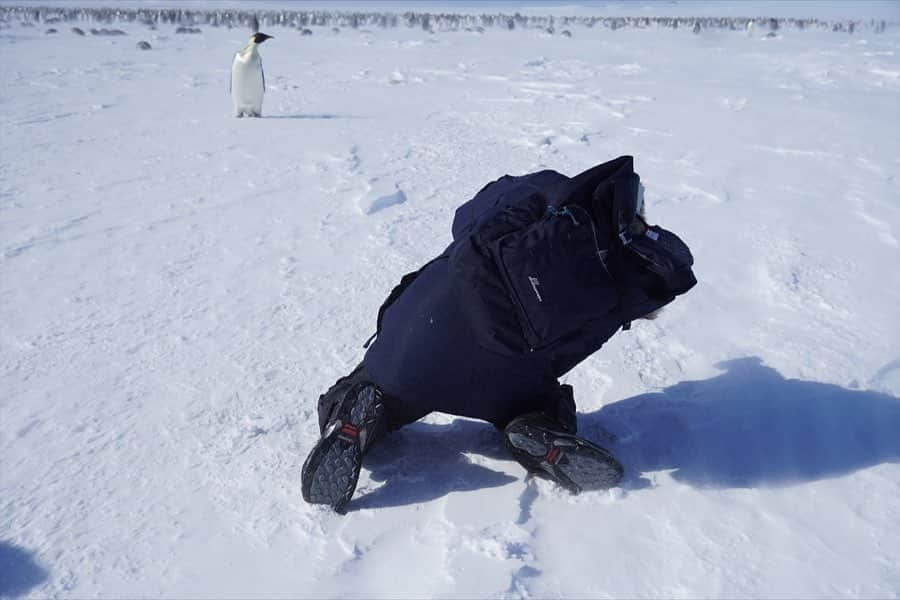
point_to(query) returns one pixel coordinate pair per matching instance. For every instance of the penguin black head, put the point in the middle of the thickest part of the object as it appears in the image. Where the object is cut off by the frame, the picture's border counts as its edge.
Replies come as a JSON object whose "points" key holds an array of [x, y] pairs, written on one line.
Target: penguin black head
{"points": [[259, 38]]}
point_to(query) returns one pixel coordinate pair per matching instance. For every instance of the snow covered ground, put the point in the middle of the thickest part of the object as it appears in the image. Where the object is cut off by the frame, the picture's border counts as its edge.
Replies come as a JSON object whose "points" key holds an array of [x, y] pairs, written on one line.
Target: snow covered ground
{"points": [[177, 286]]}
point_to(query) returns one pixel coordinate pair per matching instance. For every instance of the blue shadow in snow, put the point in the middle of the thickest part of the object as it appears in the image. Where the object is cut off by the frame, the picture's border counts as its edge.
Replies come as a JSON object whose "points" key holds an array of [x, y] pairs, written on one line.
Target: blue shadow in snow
{"points": [[424, 461], [19, 573], [749, 427]]}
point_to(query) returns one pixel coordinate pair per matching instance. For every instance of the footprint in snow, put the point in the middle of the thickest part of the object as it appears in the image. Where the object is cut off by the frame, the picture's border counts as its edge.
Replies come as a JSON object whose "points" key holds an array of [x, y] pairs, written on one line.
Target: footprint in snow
{"points": [[380, 194], [382, 202]]}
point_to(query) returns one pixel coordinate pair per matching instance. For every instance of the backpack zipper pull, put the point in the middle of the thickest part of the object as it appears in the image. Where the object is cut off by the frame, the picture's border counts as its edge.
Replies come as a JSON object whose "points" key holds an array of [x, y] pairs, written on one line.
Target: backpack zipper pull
{"points": [[564, 212]]}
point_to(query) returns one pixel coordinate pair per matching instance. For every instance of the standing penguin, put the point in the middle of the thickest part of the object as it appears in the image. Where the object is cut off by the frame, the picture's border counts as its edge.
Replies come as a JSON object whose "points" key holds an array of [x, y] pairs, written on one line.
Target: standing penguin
{"points": [[248, 83]]}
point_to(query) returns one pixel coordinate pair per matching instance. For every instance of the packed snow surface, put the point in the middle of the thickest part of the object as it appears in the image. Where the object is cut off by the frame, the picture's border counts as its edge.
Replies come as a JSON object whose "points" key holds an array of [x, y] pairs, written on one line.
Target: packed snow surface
{"points": [[177, 287]]}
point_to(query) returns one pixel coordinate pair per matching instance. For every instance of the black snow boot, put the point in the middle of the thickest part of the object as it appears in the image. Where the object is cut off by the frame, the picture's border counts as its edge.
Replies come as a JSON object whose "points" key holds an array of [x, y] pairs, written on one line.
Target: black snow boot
{"points": [[544, 447], [331, 470]]}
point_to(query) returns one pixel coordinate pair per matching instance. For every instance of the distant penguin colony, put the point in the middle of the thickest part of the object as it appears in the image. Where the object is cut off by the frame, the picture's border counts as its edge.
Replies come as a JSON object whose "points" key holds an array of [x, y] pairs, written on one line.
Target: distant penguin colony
{"points": [[248, 82]]}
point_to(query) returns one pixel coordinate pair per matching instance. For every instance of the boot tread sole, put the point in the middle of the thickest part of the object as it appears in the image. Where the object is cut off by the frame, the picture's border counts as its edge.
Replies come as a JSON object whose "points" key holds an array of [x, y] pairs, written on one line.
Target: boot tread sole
{"points": [[331, 470], [572, 462]]}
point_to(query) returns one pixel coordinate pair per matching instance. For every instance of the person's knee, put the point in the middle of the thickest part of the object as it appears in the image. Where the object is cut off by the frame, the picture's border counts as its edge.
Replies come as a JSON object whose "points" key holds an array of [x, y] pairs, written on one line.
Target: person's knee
{"points": [[400, 413]]}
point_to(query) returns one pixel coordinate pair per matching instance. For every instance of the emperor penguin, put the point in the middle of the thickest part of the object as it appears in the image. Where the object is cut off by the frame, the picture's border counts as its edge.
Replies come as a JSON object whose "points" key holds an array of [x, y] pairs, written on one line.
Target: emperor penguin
{"points": [[248, 82]]}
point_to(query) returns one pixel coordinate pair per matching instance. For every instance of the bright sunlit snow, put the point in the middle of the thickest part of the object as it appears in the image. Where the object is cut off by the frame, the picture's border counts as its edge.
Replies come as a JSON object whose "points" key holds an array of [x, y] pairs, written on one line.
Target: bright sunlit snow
{"points": [[178, 286]]}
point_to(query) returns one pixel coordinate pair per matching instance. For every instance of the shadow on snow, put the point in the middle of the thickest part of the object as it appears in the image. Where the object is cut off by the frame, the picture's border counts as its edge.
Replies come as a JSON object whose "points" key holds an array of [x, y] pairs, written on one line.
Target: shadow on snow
{"points": [[750, 427], [425, 461], [19, 573], [747, 427]]}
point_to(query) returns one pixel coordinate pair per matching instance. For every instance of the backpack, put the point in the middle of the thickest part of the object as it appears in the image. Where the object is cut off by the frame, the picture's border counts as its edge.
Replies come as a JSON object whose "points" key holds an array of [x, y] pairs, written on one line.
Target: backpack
{"points": [[554, 268]]}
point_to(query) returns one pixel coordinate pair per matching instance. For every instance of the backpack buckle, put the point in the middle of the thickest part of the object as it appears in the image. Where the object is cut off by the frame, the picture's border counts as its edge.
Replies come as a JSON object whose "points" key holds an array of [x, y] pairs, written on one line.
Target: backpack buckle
{"points": [[624, 238]]}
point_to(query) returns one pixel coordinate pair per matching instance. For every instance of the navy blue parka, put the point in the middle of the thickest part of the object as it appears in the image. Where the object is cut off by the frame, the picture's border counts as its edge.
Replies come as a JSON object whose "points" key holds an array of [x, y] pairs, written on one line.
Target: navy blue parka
{"points": [[456, 336]]}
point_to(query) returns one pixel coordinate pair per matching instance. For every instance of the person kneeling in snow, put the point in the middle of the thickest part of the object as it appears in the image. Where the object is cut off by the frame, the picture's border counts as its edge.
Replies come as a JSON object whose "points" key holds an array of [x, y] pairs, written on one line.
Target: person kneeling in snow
{"points": [[543, 269]]}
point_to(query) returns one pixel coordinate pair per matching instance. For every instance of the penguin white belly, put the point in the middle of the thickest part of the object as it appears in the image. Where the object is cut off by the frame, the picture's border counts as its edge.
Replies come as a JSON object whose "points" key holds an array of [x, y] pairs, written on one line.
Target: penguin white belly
{"points": [[247, 84]]}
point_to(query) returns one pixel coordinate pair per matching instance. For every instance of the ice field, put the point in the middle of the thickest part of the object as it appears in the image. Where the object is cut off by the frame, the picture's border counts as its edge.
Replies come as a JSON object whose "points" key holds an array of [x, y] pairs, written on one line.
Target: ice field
{"points": [[177, 287]]}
